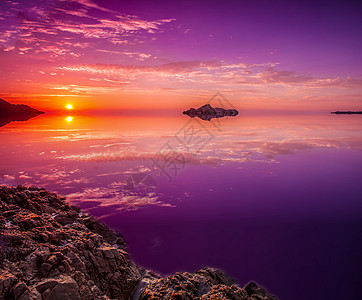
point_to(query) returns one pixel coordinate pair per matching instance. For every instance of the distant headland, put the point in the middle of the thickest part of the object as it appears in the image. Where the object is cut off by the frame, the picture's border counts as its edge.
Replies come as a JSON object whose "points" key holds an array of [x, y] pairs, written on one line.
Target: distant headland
{"points": [[347, 112], [16, 112]]}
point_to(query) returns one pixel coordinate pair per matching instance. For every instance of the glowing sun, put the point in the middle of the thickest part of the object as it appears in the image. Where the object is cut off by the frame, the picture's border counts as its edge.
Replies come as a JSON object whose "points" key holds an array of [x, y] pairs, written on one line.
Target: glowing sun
{"points": [[69, 119], [69, 106]]}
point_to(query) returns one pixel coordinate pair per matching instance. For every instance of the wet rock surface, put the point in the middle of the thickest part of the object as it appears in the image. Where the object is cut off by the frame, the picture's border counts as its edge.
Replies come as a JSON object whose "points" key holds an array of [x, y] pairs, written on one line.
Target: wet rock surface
{"points": [[207, 283], [52, 250]]}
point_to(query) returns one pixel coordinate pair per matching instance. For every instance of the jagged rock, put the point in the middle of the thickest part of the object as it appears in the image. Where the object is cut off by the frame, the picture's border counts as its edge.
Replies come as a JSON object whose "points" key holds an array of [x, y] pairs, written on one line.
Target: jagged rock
{"points": [[257, 292], [65, 288], [19, 289], [224, 292], [51, 250], [59, 253], [7, 280], [207, 112], [207, 283], [148, 277]]}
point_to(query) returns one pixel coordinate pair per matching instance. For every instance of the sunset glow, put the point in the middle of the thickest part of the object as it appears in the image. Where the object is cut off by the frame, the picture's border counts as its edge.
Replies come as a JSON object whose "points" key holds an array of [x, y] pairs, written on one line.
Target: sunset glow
{"points": [[211, 135], [132, 55]]}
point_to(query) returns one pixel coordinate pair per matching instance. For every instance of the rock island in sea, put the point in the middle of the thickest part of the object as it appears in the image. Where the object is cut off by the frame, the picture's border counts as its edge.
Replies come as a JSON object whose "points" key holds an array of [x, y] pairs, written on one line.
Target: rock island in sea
{"points": [[51, 250], [207, 112]]}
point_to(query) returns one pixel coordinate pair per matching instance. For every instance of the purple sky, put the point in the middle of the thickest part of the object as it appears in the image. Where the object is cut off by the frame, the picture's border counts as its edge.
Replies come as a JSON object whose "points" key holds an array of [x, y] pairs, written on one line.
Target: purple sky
{"points": [[319, 37], [166, 54]]}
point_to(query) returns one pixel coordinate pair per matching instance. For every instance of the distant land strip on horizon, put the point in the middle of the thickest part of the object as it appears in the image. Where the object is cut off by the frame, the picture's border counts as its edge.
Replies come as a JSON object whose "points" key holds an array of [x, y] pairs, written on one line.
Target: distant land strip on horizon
{"points": [[347, 112]]}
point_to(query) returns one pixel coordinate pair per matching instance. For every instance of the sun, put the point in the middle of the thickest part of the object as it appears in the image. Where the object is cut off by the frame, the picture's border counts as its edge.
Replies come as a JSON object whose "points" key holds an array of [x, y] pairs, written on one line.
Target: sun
{"points": [[69, 106], [69, 119]]}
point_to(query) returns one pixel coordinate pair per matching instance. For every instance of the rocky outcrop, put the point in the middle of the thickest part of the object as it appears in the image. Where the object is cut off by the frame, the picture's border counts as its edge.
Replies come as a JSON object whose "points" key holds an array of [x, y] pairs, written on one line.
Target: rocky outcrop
{"points": [[52, 250], [207, 112], [16, 112], [205, 284]]}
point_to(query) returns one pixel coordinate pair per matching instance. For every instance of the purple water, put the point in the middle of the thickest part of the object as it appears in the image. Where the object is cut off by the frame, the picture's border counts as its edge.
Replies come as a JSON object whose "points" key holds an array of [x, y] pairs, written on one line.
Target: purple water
{"points": [[275, 199]]}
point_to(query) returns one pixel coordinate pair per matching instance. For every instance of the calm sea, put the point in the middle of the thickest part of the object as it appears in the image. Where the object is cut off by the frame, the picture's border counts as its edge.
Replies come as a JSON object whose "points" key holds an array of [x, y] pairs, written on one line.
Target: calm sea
{"points": [[271, 198]]}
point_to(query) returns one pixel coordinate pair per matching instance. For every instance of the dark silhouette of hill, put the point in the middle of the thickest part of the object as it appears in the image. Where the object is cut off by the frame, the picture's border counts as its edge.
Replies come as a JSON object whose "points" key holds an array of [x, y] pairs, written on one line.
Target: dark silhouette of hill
{"points": [[16, 112]]}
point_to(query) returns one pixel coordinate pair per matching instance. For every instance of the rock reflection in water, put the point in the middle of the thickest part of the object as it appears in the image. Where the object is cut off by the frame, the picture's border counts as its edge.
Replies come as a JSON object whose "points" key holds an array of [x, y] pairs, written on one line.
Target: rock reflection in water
{"points": [[207, 112]]}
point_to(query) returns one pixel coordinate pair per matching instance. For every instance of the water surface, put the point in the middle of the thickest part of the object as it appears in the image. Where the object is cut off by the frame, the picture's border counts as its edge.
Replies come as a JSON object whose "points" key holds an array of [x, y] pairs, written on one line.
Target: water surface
{"points": [[270, 198]]}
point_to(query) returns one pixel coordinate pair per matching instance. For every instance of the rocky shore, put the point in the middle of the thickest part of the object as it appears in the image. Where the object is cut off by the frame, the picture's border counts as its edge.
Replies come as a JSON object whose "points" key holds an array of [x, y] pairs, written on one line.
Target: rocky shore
{"points": [[52, 250]]}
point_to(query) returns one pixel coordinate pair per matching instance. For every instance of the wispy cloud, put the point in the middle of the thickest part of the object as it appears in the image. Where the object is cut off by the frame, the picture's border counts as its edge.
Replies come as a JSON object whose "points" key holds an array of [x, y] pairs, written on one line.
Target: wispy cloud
{"points": [[129, 154], [118, 200], [271, 75], [117, 52], [217, 153], [255, 78], [170, 68], [38, 27]]}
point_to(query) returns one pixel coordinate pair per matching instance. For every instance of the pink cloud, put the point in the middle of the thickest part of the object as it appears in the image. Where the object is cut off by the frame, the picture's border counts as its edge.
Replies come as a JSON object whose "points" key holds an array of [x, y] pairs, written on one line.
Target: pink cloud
{"points": [[111, 156], [254, 79], [115, 198], [90, 4], [171, 68], [42, 27], [270, 75]]}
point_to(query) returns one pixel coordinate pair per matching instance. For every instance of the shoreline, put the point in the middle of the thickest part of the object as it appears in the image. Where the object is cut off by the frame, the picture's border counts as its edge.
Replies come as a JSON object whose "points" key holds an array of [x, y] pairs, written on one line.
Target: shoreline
{"points": [[52, 250]]}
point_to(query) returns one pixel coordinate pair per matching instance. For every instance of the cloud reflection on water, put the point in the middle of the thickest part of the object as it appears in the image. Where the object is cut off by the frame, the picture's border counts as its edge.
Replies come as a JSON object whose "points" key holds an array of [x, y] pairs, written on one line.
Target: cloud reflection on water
{"points": [[90, 158]]}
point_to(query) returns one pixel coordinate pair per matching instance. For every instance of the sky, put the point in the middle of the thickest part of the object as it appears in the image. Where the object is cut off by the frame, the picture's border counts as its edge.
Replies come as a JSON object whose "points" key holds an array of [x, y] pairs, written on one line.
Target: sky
{"points": [[153, 55]]}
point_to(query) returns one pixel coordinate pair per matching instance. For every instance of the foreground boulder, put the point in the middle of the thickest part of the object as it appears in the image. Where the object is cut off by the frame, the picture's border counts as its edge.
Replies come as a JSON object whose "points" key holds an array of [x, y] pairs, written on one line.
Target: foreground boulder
{"points": [[51, 250], [205, 284]]}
